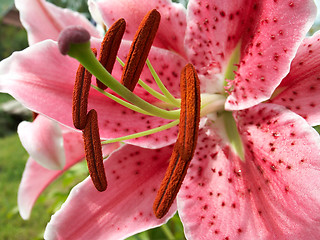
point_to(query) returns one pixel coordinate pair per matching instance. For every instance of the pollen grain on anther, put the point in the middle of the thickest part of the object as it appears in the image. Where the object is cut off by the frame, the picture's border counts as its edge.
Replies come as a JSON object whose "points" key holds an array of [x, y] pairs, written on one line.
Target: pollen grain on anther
{"points": [[80, 96], [185, 145], [140, 49], [110, 46], [93, 151]]}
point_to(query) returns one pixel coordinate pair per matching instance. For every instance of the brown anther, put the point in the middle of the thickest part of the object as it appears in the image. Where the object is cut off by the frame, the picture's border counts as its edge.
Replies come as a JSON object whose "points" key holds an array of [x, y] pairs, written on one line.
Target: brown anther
{"points": [[93, 151], [184, 148], [110, 46], [94, 50], [34, 115], [140, 49], [80, 96]]}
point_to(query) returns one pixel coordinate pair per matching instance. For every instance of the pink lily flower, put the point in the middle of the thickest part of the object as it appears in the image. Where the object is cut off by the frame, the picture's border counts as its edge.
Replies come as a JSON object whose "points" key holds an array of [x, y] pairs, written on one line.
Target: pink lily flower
{"points": [[263, 185]]}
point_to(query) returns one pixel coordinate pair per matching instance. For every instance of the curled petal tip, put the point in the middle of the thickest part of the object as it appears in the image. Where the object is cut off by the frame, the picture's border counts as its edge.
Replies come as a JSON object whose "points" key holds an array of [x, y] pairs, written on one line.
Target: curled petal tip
{"points": [[72, 34]]}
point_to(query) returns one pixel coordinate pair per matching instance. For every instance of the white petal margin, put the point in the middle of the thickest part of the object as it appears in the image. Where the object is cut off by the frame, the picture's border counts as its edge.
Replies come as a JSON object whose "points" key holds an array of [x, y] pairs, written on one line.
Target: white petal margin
{"points": [[43, 141]]}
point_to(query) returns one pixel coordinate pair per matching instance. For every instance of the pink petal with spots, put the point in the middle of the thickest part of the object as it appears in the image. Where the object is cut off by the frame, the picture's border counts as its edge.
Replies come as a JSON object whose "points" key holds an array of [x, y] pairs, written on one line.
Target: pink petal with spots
{"points": [[134, 176], [36, 178], [173, 19], [210, 202], [270, 41], [282, 156], [43, 140], [42, 79], [274, 194], [300, 89], [214, 29], [43, 20]]}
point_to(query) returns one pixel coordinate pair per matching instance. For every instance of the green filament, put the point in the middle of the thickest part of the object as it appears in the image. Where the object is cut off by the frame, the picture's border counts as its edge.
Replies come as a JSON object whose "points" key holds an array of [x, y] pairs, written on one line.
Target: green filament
{"points": [[85, 56], [144, 133], [164, 90], [150, 90]]}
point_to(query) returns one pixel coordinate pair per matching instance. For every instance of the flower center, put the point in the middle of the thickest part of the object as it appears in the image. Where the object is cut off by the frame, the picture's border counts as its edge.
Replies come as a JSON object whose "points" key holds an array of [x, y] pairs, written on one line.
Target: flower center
{"points": [[185, 112]]}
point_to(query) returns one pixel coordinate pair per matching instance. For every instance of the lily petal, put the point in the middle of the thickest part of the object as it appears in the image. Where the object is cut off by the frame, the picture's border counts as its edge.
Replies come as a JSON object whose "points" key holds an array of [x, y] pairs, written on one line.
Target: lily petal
{"points": [[43, 20], [213, 31], [134, 175], [266, 57], [286, 192], [43, 140], [173, 19], [42, 80], [211, 201], [274, 194], [36, 178], [299, 90], [283, 160]]}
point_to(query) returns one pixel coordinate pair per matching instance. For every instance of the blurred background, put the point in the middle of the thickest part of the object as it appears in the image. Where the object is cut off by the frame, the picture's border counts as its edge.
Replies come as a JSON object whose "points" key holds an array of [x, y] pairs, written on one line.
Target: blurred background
{"points": [[13, 157]]}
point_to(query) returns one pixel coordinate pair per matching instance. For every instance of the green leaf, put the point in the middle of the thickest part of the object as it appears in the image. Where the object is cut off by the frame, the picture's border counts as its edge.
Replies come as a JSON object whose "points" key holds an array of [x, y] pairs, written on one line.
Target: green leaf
{"points": [[5, 6]]}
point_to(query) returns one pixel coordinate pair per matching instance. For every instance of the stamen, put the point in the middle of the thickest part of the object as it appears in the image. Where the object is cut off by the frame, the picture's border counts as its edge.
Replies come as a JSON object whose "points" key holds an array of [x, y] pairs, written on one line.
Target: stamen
{"points": [[80, 96], [82, 52], [110, 46], [186, 143], [190, 113], [93, 151], [140, 49]]}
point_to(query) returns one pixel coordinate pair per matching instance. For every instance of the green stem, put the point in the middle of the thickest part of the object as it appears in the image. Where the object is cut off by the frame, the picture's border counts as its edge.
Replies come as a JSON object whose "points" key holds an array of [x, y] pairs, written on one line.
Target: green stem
{"points": [[85, 56], [233, 134], [153, 92], [144, 133], [232, 67]]}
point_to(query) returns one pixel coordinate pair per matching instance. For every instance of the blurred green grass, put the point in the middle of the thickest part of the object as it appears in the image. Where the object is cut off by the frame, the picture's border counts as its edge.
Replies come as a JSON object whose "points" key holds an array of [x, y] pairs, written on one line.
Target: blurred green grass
{"points": [[4, 97], [12, 161]]}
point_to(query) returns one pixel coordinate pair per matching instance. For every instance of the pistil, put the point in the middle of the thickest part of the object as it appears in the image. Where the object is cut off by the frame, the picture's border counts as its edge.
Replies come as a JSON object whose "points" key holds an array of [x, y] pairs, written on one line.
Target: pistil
{"points": [[74, 41], [185, 145]]}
